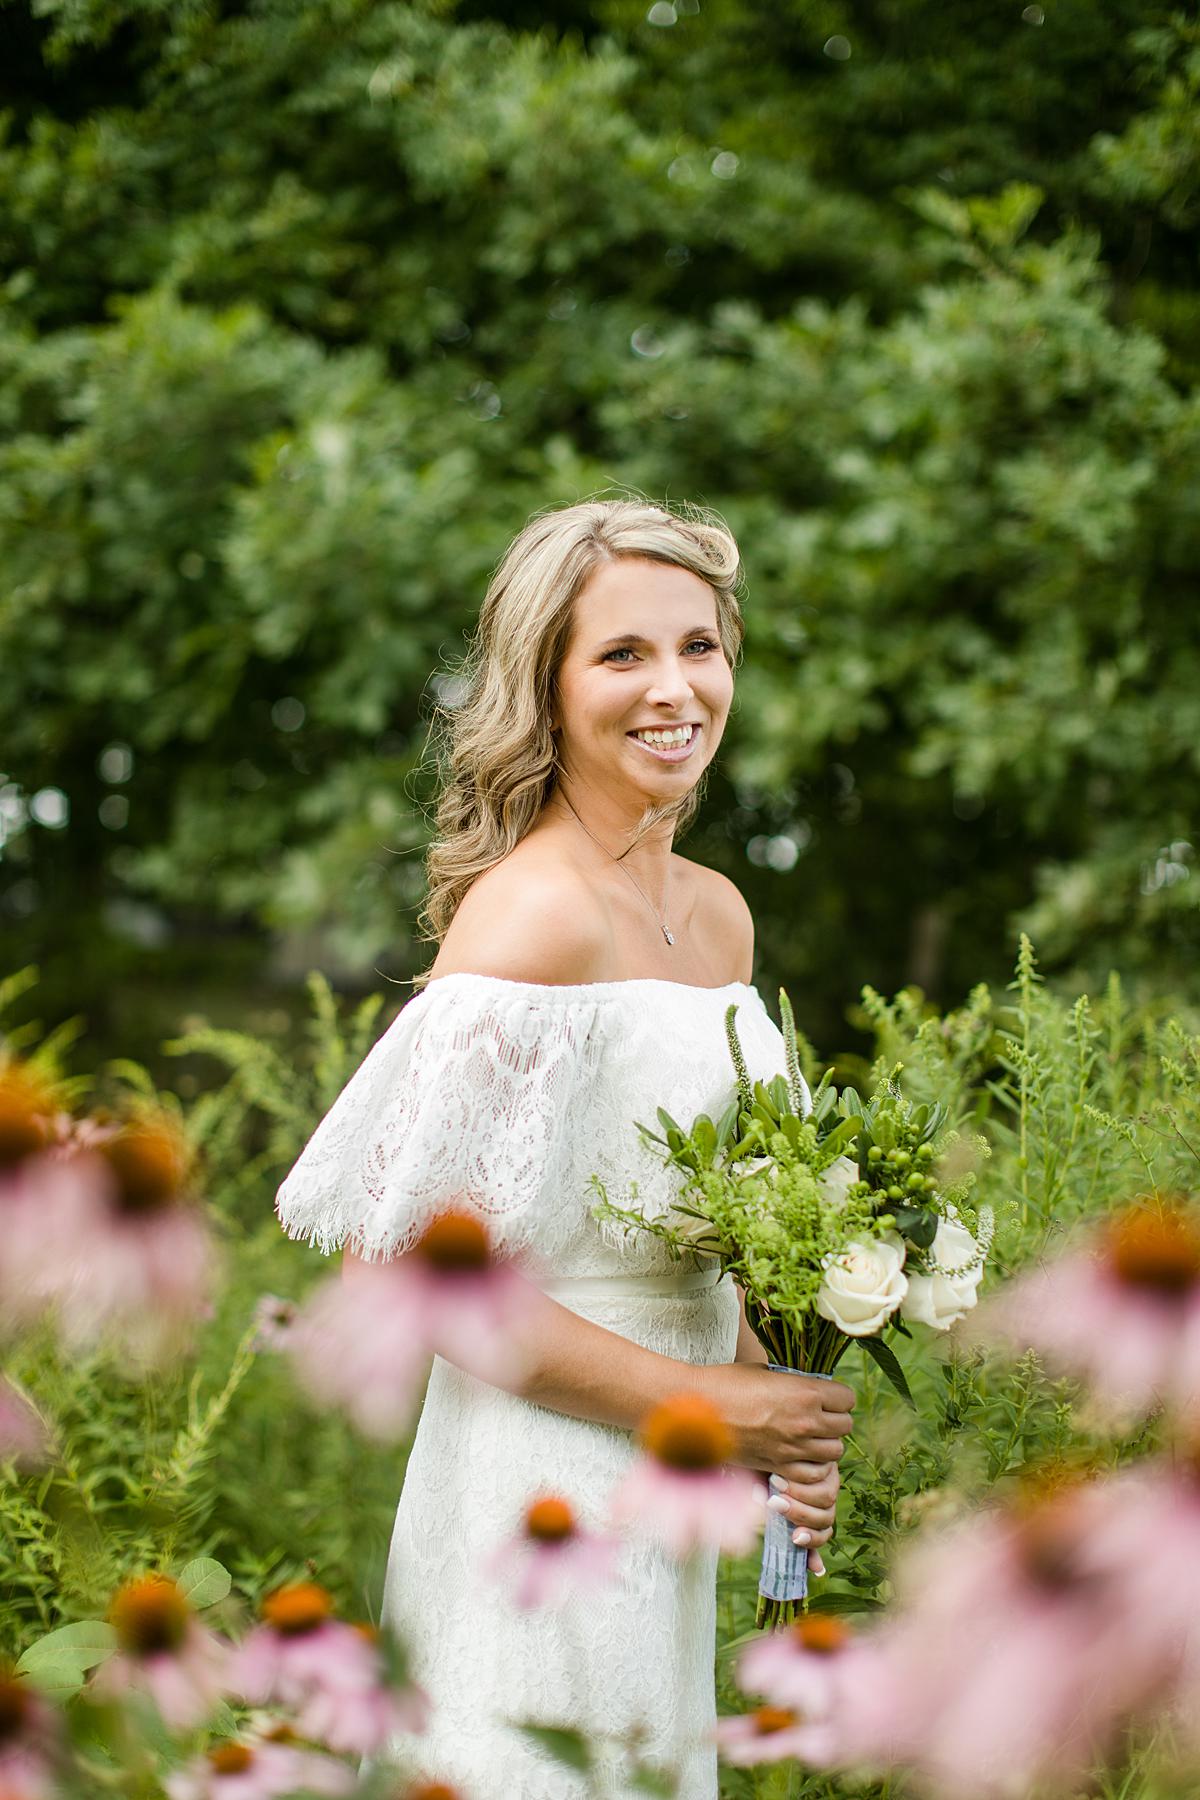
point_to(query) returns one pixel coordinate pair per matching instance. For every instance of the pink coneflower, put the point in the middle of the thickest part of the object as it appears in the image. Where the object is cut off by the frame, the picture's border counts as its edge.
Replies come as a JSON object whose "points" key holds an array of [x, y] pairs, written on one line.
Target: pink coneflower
{"points": [[139, 1262], [22, 1434], [680, 1491], [769, 1734], [552, 1556], [1123, 1312], [355, 1710], [330, 1673], [275, 1322], [164, 1652], [30, 1740], [258, 1771], [1016, 1624], [364, 1344], [37, 1188], [799, 1665]]}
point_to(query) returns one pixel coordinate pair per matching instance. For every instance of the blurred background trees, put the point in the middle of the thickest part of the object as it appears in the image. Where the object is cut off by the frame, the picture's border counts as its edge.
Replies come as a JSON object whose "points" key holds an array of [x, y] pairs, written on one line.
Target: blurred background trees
{"points": [[306, 307]]}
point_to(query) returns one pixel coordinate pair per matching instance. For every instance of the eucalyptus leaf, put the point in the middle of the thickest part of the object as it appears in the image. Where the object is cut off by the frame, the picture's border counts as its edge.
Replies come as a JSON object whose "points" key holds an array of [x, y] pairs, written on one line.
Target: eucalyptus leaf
{"points": [[204, 1581]]}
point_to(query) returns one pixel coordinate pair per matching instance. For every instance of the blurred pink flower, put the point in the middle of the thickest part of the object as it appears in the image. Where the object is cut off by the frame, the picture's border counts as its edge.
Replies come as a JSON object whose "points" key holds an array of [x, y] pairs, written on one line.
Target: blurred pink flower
{"points": [[1007, 1663], [164, 1652], [275, 1322], [680, 1492], [1156, 1612], [30, 1741], [552, 1555], [38, 1184], [359, 1718], [22, 1434], [801, 1666], [258, 1771], [112, 1239], [769, 1735], [329, 1673], [363, 1343], [1122, 1311]]}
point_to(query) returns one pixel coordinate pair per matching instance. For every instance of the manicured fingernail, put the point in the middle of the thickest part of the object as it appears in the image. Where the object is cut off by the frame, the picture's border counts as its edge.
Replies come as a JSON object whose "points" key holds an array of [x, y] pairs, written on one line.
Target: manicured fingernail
{"points": [[802, 1536], [778, 1504], [777, 1482]]}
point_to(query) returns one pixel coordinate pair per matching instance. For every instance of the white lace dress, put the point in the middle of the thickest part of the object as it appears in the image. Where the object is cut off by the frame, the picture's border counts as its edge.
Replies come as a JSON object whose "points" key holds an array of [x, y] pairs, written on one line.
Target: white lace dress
{"points": [[514, 1093]]}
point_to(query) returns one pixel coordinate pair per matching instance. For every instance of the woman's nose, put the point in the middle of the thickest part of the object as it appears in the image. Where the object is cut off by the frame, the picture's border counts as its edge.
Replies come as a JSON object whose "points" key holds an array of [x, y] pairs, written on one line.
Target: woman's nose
{"points": [[670, 683]]}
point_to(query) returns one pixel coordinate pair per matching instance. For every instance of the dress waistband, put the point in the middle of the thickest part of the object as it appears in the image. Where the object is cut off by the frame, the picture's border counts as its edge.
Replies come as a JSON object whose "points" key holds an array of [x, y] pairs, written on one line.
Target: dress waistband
{"points": [[631, 1287]]}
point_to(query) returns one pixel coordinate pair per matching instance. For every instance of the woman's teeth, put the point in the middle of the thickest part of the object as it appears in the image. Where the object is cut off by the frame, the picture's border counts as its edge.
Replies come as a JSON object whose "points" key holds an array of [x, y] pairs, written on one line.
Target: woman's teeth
{"points": [[666, 740]]}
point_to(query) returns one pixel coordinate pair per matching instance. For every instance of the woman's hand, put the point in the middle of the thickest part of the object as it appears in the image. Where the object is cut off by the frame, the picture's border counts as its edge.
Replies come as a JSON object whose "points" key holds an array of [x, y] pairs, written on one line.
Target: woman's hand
{"points": [[781, 1421], [806, 1495]]}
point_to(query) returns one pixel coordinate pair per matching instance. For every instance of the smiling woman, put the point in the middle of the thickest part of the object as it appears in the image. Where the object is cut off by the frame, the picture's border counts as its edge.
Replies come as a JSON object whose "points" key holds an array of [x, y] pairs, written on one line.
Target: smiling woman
{"points": [[577, 950]]}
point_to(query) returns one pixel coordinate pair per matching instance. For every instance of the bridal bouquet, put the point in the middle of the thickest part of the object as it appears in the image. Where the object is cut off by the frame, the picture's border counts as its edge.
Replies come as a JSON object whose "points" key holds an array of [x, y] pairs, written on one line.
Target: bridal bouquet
{"points": [[833, 1221]]}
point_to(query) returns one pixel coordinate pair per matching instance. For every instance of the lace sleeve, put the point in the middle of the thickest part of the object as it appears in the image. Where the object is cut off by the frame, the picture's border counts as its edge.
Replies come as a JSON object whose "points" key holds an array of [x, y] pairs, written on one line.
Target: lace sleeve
{"points": [[464, 1100]]}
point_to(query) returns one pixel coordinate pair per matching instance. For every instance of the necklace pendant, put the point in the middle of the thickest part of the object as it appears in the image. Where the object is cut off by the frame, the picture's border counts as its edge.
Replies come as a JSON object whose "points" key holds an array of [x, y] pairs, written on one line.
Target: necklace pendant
{"points": [[666, 931]]}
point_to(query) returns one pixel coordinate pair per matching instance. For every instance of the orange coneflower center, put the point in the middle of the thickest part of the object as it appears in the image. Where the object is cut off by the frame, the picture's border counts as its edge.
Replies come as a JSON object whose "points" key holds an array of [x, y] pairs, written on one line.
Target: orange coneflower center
{"points": [[26, 1111], [549, 1520], [689, 1433], [1156, 1247], [297, 1608], [769, 1719], [456, 1244], [149, 1158], [820, 1634], [1048, 1528], [14, 1704], [432, 1790], [150, 1615], [230, 1759]]}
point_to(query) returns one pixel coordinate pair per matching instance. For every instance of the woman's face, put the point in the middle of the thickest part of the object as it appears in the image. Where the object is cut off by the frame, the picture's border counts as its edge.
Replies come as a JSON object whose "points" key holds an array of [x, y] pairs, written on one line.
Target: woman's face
{"points": [[643, 653]]}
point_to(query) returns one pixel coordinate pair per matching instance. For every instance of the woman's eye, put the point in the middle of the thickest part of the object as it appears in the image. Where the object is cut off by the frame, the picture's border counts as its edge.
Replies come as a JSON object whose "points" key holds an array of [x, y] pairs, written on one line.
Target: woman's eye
{"points": [[624, 650]]}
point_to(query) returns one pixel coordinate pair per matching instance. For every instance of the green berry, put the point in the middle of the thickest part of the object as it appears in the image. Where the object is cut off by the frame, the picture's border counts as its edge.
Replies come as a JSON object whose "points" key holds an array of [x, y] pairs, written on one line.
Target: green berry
{"points": [[895, 1193], [902, 1159]]}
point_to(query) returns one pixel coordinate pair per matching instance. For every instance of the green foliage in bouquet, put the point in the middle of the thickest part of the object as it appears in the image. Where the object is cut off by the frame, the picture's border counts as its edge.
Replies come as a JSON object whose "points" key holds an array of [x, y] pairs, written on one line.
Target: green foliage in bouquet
{"points": [[779, 1188]]}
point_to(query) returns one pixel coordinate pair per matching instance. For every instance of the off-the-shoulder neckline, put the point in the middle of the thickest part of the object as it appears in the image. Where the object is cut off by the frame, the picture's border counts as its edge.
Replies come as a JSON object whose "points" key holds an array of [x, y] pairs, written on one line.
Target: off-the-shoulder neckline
{"points": [[588, 987]]}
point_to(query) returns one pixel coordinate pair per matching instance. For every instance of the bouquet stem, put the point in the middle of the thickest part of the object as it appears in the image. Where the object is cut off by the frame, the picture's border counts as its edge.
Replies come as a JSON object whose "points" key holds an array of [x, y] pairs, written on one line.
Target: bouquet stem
{"points": [[783, 1578]]}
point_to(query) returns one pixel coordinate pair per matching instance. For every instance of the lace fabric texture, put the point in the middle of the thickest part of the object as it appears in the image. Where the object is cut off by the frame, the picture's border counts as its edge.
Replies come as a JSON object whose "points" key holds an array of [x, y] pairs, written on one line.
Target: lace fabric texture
{"points": [[509, 1096]]}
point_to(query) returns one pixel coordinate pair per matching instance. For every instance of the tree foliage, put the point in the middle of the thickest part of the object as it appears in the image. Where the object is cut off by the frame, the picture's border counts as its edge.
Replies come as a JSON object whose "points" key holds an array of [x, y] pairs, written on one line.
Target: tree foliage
{"points": [[307, 307]]}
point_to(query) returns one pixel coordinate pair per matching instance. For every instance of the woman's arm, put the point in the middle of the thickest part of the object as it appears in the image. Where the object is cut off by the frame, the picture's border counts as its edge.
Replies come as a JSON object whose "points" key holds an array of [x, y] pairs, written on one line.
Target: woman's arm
{"points": [[749, 1350], [581, 1368]]}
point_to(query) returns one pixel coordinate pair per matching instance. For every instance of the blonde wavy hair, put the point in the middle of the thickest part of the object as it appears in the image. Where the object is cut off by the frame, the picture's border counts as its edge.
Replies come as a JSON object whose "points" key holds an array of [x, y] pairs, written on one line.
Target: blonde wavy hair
{"points": [[495, 748]]}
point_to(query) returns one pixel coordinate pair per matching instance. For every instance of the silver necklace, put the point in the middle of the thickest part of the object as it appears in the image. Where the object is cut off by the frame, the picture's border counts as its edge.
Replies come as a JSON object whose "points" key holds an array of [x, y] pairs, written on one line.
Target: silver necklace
{"points": [[663, 926]]}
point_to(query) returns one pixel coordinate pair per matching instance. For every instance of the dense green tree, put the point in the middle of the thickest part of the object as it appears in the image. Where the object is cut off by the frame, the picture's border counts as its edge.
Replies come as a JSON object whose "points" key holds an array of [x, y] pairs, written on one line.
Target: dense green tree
{"points": [[307, 306]]}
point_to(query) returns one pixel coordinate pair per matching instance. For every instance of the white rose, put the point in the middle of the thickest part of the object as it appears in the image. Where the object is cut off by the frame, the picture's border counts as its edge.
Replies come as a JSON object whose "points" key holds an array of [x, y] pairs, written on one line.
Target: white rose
{"points": [[939, 1300], [836, 1181], [864, 1284]]}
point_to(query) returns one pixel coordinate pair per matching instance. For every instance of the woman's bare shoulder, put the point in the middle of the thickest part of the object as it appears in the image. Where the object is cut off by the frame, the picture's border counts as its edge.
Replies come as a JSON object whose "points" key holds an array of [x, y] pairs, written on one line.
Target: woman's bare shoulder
{"points": [[722, 917], [531, 917]]}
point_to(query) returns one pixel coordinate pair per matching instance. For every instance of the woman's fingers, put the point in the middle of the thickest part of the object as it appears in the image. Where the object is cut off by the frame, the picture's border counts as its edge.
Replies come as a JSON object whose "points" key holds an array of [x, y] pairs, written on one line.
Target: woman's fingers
{"points": [[806, 1474], [798, 1512]]}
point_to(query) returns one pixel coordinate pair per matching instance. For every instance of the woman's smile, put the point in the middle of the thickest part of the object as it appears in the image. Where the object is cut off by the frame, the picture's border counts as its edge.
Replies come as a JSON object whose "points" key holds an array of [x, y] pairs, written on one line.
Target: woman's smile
{"points": [[668, 749]]}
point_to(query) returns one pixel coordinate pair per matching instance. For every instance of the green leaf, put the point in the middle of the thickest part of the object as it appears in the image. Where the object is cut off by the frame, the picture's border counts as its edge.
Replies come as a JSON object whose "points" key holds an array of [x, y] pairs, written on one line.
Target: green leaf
{"points": [[885, 1356], [842, 1600], [85, 1643], [57, 1676], [657, 1782], [204, 1581], [566, 1746]]}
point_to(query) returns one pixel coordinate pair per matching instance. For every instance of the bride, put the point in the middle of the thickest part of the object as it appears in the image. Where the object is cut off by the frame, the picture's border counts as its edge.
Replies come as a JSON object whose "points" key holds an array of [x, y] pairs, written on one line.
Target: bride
{"points": [[581, 980]]}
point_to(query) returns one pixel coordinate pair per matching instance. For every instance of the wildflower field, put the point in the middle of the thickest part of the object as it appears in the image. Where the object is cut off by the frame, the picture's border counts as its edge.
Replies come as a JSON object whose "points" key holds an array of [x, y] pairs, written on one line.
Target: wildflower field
{"points": [[180, 1517]]}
